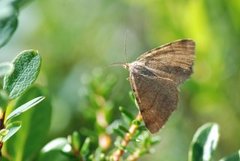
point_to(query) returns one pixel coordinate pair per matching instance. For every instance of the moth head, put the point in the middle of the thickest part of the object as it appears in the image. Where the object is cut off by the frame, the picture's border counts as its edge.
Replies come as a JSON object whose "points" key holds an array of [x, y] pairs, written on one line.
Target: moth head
{"points": [[126, 66]]}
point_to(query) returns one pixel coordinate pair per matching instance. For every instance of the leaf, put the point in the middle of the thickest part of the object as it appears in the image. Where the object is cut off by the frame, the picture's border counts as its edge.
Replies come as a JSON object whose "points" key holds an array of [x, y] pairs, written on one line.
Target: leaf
{"points": [[4, 159], [26, 143], [56, 144], [232, 157], [85, 148], [3, 100], [132, 97], [75, 140], [204, 142], [119, 132], [124, 129], [24, 107], [126, 115], [6, 69], [22, 3], [53, 151], [12, 129], [8, 21], [3, 132], [9, 18], [26, 68]]}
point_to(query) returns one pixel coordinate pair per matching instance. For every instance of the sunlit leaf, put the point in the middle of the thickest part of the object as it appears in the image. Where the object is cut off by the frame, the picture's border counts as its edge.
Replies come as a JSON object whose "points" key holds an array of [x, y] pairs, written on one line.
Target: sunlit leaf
{"points": [[58, 143], [85, 147], [53, 151], [204, 142], [27, 142], [26, 68], [12, 129], [24, 107], [232, 157], [6, 69]]}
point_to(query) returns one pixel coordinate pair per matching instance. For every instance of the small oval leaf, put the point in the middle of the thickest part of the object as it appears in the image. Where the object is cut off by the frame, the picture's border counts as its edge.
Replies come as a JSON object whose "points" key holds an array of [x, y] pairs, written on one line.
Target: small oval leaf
{"points": [[6, 69], [57, 144], [12, 129], [204, 142], [24, 107], [54, 150], [3, 132], [26, 68]]}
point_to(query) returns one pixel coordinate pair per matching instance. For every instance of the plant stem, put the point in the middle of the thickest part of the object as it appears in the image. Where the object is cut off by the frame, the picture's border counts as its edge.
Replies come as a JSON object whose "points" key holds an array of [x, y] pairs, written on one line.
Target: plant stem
{"points": [[134, 156], [2, 115], [127, 138]]}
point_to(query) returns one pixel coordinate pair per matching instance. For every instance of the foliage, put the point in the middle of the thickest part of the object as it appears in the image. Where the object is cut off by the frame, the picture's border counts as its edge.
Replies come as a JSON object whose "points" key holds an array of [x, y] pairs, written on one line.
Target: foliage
{"points": [[9, 10], [98, 132], [17, 81]]}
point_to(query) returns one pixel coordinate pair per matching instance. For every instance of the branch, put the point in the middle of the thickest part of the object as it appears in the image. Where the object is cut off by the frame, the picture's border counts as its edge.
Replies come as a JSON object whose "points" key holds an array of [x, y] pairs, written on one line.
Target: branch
{"points": [[127, 138]]}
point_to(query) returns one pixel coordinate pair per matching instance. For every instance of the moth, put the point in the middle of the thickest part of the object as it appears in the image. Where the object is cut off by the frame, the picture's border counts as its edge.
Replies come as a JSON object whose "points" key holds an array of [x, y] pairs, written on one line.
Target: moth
{"points": [[155, 77]]}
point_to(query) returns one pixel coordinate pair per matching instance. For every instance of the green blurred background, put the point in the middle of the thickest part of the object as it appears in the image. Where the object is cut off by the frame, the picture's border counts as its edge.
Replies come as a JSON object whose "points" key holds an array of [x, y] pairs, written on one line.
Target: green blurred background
{"points": [[78, 37]]}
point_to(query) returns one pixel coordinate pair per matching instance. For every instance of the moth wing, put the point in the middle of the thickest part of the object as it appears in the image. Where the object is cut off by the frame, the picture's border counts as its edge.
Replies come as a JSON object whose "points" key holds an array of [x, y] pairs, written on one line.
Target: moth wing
{"points": [[157, 99], [173, 61]]}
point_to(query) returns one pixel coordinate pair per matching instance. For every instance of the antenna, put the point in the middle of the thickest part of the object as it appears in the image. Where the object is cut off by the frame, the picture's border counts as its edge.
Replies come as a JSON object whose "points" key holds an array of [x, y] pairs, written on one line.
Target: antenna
{"points": [[125, 47], [125, 64]]}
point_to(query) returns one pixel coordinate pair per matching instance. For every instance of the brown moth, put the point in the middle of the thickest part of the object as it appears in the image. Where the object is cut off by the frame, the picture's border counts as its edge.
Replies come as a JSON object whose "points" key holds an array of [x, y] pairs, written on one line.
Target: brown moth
{"points": [[155, 76]]}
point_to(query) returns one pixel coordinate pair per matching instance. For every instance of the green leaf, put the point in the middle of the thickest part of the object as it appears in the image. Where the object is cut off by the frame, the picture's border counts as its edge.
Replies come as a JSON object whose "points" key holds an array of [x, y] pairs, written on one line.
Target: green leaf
{"points": [[26, 68], [6, 69], [12, 128], [8, 21], [9, 18], [57, 144], [204, 142], [126, 115], [124, 129], [53, 151], [232, 157], [119, 132], [3, 100], [85, 148], [27, 142], [132, 97], [22, 3], [3, 132], [4, 159], [24, 107], [75, 140]]}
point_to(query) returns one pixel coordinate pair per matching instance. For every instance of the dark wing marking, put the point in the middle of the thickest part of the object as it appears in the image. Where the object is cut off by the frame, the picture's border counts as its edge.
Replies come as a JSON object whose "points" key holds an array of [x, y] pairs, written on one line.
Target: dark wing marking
{"points": [[156, 97], [173, 61]]}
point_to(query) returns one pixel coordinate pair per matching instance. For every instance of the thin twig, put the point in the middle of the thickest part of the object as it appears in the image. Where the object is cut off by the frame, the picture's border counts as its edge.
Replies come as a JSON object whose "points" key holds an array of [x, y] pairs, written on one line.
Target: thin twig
{"points": [[128, 136]]}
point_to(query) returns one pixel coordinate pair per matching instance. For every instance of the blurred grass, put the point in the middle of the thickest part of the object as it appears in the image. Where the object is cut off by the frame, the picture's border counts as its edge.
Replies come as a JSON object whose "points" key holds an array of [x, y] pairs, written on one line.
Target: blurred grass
{"points": [[77, 37]]}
